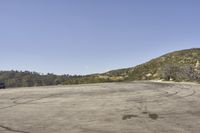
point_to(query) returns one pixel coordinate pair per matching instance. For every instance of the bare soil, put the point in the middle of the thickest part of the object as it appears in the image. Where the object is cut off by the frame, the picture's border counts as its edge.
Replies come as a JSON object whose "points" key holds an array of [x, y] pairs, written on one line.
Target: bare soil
{"points": [[135, 107]]}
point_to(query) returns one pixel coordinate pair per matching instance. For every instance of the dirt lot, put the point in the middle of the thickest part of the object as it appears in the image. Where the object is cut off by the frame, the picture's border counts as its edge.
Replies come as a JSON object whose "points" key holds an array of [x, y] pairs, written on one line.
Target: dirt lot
{"points": [[136, 107]]}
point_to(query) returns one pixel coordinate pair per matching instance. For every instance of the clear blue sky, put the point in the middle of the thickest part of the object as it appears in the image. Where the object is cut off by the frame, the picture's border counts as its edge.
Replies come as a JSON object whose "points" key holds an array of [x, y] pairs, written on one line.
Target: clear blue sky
{"points": [[90, 36]]}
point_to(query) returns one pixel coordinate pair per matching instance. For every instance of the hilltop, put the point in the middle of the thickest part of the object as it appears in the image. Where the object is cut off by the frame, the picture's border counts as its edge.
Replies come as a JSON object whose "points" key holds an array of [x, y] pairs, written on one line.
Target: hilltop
{"points": [[178, 66]]}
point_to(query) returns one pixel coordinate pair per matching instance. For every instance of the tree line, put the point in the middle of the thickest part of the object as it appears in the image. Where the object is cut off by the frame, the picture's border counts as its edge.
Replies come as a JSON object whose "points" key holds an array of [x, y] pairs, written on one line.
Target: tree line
{"points": [[28, 79]]}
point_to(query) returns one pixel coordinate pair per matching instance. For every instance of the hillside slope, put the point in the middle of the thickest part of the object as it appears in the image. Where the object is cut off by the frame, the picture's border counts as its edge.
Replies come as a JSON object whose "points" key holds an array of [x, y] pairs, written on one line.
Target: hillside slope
{"points": [[181, 65]]}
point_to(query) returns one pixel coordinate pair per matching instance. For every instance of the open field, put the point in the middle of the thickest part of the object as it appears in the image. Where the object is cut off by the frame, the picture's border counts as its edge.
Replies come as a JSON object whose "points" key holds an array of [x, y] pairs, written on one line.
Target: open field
{"points": [[135, 107]]}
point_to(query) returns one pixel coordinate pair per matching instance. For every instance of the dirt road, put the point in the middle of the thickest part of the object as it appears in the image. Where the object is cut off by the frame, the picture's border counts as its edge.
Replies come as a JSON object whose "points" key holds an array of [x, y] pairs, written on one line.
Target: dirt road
{"points": [[136, 107]]}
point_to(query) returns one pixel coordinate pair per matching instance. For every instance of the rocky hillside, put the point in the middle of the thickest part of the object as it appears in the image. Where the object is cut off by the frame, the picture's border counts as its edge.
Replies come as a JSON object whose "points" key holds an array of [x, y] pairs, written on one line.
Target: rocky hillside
{"points": [[178, 66]]}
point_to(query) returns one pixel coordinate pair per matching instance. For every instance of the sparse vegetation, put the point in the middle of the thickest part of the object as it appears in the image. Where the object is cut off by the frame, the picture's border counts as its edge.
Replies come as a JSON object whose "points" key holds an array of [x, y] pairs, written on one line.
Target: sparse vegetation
{"points": [[177, 66], [179, 73]]}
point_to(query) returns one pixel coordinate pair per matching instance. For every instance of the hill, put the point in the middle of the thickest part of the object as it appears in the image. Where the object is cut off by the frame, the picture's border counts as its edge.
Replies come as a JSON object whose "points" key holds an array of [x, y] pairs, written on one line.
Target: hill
{"points": [[181, 65], [178, 66]]}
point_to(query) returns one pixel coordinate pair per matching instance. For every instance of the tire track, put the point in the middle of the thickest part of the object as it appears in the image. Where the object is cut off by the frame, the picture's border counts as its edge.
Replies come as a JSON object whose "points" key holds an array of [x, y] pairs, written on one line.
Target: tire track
{"points": [[13, 130], [30, 101]]}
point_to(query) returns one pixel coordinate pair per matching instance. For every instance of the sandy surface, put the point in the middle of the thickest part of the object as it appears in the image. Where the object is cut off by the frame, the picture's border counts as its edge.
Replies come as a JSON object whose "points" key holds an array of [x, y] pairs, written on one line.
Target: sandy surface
{"points": [[137, 107]]}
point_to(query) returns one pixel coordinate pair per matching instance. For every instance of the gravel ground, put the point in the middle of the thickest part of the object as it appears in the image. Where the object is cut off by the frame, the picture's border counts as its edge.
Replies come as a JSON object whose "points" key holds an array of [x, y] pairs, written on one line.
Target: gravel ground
{"points": [[134, 107]]}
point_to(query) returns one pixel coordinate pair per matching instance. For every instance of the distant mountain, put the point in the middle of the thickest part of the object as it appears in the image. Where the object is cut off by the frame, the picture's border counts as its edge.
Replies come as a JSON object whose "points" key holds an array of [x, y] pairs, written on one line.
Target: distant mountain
{"points": [[178, 66]]}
